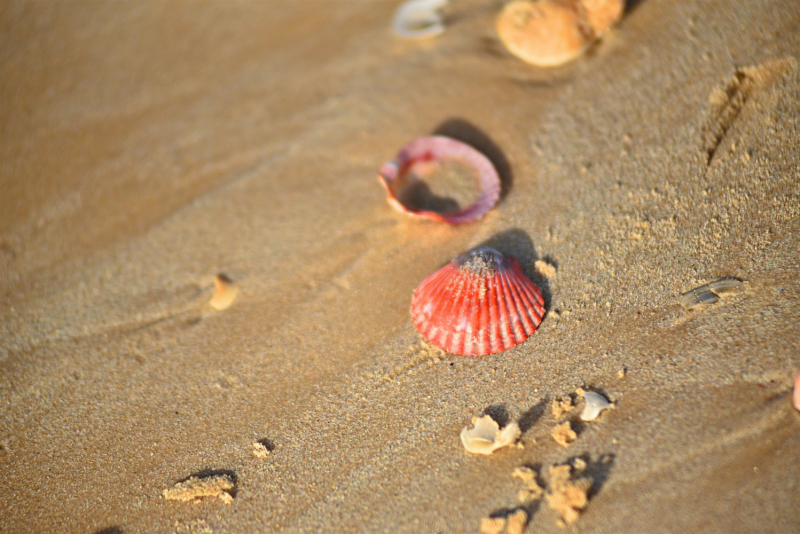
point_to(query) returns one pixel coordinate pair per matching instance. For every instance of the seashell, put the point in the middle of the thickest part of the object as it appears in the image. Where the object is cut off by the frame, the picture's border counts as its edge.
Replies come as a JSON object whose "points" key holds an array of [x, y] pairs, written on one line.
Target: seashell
{"points": [[796, 397], [595, 403], [485, 437], [709, 293], [418, 19], [600, 15], [225, 292], [545, 33], [480, 303], [407, 180], [551, 32]]}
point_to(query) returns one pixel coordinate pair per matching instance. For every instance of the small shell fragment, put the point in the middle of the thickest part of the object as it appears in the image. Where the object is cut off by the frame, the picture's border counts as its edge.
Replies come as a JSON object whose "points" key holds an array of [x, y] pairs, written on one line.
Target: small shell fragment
{"points": [[797, 390], [486, 437], [418, 19], [710, 293], [225, 292], [602, 14], [407, 180], [595, 403]]}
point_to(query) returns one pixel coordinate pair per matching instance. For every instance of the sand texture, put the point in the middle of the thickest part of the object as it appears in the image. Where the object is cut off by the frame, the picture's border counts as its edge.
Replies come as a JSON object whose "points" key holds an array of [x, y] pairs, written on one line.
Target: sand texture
{"points": [[147, 147]]}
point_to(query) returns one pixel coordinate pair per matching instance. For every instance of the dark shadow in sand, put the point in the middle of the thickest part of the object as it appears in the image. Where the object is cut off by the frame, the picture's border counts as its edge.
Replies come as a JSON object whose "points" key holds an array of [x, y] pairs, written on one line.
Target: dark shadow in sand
{"points": [[417, 195], [499, 413], [532, 415], [267, 444], [598, 470], [470, 134]]}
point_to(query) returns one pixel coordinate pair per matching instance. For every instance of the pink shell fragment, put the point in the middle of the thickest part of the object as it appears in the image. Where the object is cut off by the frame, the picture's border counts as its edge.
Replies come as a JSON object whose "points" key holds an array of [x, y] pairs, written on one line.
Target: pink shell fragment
{"points": [[480, 303], [414, 156]]}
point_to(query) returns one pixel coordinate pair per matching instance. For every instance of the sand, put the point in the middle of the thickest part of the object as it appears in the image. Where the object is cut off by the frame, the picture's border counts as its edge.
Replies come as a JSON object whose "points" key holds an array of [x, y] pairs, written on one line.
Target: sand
{"points": [[147, 147]]}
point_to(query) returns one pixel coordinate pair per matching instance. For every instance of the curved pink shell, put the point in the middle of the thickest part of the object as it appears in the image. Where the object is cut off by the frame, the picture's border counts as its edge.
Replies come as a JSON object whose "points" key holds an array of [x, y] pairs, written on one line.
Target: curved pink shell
{"points": [[480, 303], [394, 174]]}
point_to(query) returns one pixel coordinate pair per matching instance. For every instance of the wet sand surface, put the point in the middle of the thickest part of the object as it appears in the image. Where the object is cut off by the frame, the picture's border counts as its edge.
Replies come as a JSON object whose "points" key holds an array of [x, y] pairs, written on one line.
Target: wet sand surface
{"points": [[146, 147]]}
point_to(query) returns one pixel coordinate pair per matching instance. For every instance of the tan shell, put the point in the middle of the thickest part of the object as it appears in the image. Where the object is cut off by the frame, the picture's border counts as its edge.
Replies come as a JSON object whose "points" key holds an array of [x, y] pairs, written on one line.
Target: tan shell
{"points": [[551, 32], [545, 33], [600, 15]]}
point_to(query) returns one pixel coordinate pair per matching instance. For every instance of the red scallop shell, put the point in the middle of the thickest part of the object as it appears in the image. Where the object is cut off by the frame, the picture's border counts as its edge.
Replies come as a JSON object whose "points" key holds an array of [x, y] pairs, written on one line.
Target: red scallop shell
{"points": [[395, 174], [480, 303]]}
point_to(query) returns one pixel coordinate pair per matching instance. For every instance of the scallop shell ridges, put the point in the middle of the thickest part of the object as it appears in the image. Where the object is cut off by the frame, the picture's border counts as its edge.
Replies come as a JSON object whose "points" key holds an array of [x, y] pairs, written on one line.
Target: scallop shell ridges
{"points": [[480, 303]]}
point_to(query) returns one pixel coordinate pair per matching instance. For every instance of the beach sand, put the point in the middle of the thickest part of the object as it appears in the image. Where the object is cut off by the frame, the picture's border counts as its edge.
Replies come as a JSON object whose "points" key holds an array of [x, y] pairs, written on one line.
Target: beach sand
{"points": [[148, 146]]}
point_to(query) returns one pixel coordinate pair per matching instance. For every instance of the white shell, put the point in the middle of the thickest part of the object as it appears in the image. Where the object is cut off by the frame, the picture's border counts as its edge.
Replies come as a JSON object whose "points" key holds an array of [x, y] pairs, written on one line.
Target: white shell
{"points": [[486, 437], [709, 293], [595, 403], [418, 19]]}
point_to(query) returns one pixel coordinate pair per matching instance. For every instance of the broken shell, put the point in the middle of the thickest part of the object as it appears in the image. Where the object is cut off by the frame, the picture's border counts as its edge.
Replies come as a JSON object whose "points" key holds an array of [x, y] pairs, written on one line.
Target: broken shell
{"points": [[595, 403], [225, 292], [545, 33], [418, 19], [709, 293], [480, 303], [452, 161], [486, 437], [797, 390]]}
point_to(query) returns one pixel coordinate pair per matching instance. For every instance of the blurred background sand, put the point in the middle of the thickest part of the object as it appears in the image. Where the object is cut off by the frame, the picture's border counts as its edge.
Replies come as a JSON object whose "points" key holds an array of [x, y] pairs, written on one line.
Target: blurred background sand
{"points": [[147, 146]]}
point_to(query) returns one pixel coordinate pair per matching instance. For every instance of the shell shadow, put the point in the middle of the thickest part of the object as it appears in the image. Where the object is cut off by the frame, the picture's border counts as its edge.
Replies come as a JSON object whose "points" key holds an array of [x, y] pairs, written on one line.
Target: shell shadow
{"points": [[598, 470], [532, 415], [470, 134], [109, 530], [418, 195], [530, 508], [267, 444], [630, 5], [517, 243], [499, 414]]}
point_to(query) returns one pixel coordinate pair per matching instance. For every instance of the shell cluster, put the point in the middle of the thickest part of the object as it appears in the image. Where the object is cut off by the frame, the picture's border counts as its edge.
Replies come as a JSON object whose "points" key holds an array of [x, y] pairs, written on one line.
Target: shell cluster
{"points": [[480, 303]]}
